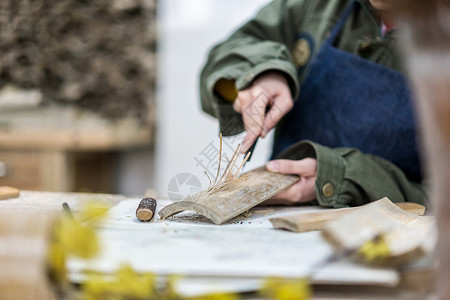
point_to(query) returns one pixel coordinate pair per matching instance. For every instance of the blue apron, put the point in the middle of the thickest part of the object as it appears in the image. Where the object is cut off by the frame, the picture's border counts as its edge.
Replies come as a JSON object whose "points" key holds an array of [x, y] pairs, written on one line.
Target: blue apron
{"points": [[348, 101]]}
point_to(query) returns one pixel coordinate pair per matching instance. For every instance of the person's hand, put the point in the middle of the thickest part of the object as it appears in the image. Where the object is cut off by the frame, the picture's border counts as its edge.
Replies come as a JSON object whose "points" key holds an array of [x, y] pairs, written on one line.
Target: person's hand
{"points": [[269, 91], [303, 190]]}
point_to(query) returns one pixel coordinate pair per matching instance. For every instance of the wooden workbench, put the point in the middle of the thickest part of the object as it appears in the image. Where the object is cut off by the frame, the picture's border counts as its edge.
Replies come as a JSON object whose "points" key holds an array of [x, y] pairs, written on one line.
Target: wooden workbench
{"points": [[65, 149], [415, 284]]}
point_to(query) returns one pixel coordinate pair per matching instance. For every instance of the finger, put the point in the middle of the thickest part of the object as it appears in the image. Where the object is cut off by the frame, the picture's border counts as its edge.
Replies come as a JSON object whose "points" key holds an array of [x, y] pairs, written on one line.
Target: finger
{"points": [[304, 167], [237, 105], [242, 100], [248, 141], [306, 189], [309, 189], [290, 194], [302, 191], [279, 108], [253, 116]]}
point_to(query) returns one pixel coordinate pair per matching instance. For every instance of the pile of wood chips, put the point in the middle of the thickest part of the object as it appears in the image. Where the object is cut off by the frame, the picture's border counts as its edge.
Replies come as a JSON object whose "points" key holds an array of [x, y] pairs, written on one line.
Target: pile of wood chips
{"points": [[98, 55]]}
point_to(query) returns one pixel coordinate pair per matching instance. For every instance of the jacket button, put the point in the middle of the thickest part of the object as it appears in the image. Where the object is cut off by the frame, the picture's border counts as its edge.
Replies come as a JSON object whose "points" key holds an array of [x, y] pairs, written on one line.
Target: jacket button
{"points": [[328, 190]]}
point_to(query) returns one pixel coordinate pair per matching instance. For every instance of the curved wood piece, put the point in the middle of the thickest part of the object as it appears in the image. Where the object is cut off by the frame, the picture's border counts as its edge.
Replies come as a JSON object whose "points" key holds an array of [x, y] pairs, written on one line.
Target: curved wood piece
{"points": [[234, 197], [408, 236], [311, 221]]}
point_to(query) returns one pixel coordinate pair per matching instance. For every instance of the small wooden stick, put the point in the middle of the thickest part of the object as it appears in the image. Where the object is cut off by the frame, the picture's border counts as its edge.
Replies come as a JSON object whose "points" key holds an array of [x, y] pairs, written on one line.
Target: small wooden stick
{"points": [[229, 175], [220, 159], [210, 182], [225, 173], [146, 209], [240, 167]]}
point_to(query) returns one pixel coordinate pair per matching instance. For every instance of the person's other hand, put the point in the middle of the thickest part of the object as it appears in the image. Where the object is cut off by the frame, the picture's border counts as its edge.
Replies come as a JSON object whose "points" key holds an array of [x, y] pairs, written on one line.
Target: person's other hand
{"points": [[303, 190], [270, 92]]}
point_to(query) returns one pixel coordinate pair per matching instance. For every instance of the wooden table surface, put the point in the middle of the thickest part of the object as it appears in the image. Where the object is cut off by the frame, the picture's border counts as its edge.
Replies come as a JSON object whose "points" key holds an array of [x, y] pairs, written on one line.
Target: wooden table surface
{"points": [[414, 284]]}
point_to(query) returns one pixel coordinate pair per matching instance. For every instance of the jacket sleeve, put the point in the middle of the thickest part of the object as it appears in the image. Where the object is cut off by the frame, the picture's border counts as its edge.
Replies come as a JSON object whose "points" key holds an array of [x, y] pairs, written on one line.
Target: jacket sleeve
{"points": [[260, 45], [348, 177]]}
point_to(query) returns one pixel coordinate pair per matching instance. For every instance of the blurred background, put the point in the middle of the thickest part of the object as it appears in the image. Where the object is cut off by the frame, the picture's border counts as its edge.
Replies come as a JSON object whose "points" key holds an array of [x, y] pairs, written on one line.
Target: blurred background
{"points": [[102, 96]]}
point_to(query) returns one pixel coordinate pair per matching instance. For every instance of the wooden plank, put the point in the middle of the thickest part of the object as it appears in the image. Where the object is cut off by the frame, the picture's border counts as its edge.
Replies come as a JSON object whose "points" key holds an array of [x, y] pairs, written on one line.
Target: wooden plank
{"points": [[231, 200], [69, 128], [408, 236], [317, 220]]}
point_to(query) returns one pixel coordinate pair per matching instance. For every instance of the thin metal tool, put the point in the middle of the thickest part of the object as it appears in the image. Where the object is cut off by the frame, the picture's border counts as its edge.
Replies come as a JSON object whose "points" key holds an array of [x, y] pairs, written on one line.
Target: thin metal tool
{"points": [[249, 153], [251, 150]]}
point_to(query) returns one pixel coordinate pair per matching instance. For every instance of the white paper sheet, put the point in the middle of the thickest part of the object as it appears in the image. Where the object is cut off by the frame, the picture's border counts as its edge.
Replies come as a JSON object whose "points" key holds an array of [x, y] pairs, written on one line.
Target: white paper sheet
{"points": [[247, 247]]}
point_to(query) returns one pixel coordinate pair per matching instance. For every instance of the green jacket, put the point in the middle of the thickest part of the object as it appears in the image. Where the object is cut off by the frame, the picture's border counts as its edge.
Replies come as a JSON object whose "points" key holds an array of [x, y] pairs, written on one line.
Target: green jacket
{"points": [[273, 41]]}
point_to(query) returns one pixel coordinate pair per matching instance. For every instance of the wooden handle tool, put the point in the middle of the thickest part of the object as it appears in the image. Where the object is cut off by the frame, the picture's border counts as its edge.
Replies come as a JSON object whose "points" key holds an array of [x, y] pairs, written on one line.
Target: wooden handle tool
{"points": [[316, 220], [7, 192], [146, 209]]}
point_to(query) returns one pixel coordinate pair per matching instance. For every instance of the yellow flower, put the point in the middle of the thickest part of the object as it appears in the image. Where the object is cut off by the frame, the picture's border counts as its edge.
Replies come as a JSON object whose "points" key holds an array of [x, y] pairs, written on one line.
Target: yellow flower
{"points": [[92, 211], [73, 238], [133, 284], [375, 249], [78, 240], [218, 296], [124, 284], [286, 289], [57, 261]]}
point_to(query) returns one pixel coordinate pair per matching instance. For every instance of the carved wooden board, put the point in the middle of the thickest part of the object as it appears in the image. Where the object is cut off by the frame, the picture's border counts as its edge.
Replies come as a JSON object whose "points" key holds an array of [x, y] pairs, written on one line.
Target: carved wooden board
{"points": [[310, 221], [231, 200], [408, 236]]}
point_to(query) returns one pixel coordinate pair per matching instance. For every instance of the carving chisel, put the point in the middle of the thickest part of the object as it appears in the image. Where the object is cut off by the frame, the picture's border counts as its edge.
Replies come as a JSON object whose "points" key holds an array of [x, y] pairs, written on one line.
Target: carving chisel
{"points": [[249, 153]]}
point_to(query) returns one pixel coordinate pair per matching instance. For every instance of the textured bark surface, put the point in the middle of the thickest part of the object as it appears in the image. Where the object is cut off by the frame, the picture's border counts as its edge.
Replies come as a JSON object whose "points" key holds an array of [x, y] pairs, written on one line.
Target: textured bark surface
{"points": [[146, 209], [235, 197]]}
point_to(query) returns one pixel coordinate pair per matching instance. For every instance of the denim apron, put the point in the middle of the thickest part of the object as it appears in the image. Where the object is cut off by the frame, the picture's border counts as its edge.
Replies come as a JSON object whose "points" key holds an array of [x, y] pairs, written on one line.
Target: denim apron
{"points": [[348, 101]]}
